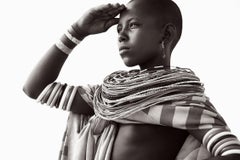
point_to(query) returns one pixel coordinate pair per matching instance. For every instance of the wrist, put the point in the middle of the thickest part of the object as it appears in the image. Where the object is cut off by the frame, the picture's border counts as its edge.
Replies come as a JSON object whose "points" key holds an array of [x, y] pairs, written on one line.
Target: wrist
{"points": [[69, 40], [78, 32]]}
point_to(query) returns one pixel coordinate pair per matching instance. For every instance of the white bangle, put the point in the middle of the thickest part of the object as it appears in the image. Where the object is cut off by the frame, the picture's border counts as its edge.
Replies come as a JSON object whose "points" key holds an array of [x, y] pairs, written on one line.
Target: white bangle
{"points": [[70, 101], [72, 38], [68, 42], [60, 45]]}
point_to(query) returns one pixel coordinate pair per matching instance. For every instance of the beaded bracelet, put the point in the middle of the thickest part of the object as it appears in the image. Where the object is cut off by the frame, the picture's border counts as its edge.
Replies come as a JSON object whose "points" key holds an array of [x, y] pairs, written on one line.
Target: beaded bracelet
{"points": [[48, 93], [216, 137], [209, 134], [53, 103], [222, 143], [231, 149], [228, 142], [66, 97], [69, 40], [43, 93], [70, 101], [58, 95], [61, 104], [53, 93]]}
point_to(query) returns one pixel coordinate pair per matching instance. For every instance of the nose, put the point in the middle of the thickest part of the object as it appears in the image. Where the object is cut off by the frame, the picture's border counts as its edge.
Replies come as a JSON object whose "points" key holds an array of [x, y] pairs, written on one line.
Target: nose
{"points": [[122, 36]]}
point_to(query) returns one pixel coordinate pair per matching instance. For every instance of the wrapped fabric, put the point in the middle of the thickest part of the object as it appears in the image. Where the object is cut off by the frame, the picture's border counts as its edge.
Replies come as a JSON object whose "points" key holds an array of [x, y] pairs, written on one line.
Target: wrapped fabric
{"points": [[170, 97]]}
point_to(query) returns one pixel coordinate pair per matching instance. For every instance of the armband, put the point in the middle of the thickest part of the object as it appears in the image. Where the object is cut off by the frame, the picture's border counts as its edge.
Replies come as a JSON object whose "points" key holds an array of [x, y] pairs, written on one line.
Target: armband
{"points": [[68, 41]]}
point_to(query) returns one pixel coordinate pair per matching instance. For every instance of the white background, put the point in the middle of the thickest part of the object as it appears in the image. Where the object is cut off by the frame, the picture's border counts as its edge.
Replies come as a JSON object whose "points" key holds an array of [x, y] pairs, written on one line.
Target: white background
{"points": [[209, 46]]}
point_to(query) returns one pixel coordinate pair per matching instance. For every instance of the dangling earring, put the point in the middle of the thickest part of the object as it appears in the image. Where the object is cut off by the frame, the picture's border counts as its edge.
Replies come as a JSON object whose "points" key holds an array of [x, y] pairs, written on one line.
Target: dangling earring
{"points": [[164, 56], [163, 47], [162, 44]]}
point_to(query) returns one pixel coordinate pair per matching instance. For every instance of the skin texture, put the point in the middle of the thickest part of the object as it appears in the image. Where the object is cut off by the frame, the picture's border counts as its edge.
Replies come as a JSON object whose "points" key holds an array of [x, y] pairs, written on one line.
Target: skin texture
{"points": [[141, 142], [139, 39], [148, 32], [140, 43], [144, 36]]}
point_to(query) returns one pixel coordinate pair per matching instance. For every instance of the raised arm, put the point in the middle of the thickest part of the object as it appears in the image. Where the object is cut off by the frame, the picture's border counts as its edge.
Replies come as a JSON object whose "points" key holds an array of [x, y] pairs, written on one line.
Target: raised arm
{"points": [[96, 20]]}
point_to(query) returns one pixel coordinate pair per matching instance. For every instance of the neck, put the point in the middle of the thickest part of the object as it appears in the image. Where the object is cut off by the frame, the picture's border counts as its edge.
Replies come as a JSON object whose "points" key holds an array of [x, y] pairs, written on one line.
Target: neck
{"points": [[163, 59], [158, 62]]}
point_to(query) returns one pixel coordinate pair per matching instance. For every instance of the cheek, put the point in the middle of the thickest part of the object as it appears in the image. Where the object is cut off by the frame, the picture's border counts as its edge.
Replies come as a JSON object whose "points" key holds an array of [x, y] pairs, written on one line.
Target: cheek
{"points": [[147, 45], [137, 35], [146, 38], [139, 41]]}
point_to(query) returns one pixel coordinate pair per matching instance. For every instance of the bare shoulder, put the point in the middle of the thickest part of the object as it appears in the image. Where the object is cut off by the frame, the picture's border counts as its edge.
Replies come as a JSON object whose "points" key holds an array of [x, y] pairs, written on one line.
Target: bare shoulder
{"points": [[152, 142]]}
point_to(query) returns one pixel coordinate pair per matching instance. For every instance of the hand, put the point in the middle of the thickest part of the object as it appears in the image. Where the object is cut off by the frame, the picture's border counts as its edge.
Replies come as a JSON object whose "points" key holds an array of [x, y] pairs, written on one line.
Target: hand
{"points": [[99, 19]]}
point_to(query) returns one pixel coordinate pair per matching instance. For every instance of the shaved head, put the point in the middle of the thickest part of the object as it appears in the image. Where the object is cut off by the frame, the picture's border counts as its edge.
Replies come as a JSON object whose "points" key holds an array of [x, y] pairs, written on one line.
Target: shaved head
{"points": [[163, 11]]}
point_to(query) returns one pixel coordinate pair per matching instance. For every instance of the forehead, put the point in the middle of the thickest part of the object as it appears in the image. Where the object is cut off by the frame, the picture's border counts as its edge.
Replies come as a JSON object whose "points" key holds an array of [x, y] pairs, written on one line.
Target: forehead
{"points": [[134, 9], [140, 9]]}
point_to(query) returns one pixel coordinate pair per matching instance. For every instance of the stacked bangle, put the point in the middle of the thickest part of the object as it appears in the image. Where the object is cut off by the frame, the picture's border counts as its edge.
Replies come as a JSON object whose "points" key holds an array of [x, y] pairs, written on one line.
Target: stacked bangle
{"points": [[220, 141], [69, 40], [58, 95]]}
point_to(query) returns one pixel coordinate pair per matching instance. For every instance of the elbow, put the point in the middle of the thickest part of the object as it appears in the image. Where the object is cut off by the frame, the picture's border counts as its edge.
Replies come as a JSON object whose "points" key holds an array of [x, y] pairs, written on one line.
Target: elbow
{"points": [[30, 93]]}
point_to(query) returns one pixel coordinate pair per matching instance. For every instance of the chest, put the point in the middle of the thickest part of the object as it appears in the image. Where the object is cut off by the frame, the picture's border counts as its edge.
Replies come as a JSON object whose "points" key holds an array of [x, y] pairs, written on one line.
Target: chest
{"points": [[147, 142]]}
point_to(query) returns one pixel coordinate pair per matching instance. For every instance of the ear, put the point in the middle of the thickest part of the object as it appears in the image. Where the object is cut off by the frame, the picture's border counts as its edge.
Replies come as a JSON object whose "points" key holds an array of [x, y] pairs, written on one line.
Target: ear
{"points": [[169, 33]]}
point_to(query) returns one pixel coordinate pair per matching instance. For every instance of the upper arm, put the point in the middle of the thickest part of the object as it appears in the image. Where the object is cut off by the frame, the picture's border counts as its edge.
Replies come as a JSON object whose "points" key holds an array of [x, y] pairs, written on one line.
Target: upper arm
{"points": [[77, 99], [45, 72]]}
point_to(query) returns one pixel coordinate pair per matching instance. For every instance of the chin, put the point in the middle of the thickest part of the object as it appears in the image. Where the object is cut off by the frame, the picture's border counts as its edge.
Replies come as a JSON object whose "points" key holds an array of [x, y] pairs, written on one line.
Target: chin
{"points": [[129, 63]]}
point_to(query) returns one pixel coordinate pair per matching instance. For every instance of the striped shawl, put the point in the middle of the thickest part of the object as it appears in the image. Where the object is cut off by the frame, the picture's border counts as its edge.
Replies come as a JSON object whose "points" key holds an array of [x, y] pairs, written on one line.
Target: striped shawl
{"points": [[169, 97]]}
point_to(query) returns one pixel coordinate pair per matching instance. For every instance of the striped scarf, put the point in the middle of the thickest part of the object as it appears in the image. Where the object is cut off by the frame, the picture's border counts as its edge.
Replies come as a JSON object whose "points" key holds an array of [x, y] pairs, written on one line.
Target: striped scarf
{"points": [[169, 97]]}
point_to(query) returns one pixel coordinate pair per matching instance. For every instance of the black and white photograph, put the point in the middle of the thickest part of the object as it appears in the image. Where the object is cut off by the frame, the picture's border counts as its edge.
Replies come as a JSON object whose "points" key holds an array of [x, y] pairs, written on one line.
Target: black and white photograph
{"points": [[120, 80]]}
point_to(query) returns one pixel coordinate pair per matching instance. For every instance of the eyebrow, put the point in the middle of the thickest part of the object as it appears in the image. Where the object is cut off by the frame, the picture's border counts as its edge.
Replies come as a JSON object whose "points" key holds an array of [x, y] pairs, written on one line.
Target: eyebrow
{"points": [[134, 18], [130, 19]]}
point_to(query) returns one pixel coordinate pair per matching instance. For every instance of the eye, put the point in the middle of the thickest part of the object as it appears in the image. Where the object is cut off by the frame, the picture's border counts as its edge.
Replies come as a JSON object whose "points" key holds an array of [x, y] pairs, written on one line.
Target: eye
{"points": [[119, 28], [133, 25]]}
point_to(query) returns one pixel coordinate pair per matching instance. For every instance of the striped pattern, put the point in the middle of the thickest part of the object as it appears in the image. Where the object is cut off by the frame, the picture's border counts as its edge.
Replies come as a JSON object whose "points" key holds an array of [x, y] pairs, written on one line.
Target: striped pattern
{"points": [[75, 124], [186, 114], [68, 41], [63, 47], [176, 104], [58, 95], [130, 92], [72, 38], [170, 97], [221, 142]]}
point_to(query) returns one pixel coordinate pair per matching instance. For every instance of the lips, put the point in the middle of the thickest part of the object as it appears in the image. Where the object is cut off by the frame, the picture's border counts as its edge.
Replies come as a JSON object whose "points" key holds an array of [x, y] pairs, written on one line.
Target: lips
{"points": [[123, 48]]}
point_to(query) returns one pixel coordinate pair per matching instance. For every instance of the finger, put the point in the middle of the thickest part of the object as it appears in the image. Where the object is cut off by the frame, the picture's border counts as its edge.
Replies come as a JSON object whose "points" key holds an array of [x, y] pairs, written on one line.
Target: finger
{"points": [[101, 8], [116, 11], [111, 22], [112, 7], [113, 12], [116, 7], [107, 7], [107, 11]]}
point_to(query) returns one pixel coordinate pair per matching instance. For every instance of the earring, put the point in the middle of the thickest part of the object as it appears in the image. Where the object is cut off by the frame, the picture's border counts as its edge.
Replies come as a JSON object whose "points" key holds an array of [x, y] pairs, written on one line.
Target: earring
{"points": [[163, 55], [163, 46]]}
